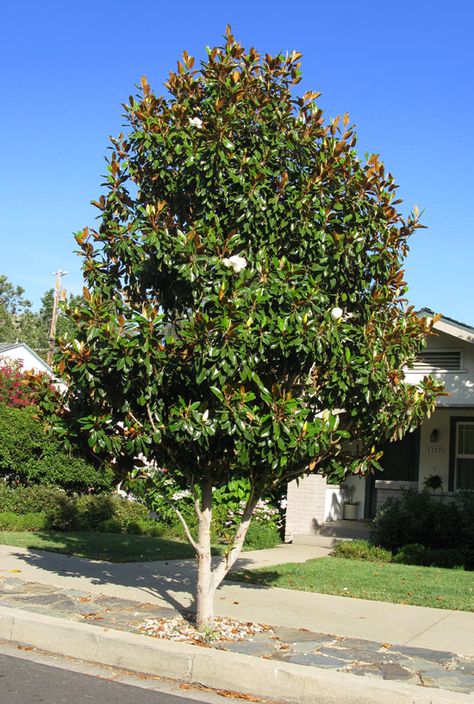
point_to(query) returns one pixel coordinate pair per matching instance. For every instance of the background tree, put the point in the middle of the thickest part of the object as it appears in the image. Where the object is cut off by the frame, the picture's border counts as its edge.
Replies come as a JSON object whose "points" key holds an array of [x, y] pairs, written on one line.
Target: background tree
{"points": [[65, 326], [243, 314], [19, 323], [17, 320]]}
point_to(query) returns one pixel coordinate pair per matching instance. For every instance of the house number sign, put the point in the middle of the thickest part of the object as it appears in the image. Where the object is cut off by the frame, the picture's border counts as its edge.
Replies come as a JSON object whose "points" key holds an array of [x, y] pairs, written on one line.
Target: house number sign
{"points": [[435, 449]]}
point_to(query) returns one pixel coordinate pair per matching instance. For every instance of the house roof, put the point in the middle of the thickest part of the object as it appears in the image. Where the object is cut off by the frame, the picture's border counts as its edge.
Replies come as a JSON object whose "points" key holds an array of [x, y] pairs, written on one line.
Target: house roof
{"points": [[450, 326], [7, 346], [4, 346]]}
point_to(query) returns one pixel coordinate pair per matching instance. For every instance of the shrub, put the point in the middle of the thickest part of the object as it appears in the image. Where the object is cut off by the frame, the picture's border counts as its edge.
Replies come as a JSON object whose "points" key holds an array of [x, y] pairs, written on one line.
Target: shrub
{"points": [[58, 508], [263, 532], [110, 525], [416, 554], [223, 526], [89, 512], [68, 512], [126, 511], [62, 514], [465, 506], [413, 554], [164, 530], [14, 391], [416, 518], [228, 505], [172, 527], [469, 561], [447, 557], [29, 456], [93, 509], [134, 528], [23, 522], [29, 499], [261, 536], [145, 526], [361, 550], [155, 529]]}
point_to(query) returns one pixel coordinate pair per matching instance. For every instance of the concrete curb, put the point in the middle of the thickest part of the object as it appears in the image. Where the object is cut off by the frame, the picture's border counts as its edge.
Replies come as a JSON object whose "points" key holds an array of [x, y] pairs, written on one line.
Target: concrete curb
{"points": [[213, 668]]}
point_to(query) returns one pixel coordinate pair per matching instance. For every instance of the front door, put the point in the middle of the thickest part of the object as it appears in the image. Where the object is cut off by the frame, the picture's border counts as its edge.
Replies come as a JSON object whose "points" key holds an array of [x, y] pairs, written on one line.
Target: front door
{"points": [[400, 462]]}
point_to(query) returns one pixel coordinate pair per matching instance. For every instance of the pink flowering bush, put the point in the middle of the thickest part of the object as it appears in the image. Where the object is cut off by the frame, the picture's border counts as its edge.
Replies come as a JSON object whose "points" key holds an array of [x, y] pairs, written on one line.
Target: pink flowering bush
{"points": [[14, 390]]}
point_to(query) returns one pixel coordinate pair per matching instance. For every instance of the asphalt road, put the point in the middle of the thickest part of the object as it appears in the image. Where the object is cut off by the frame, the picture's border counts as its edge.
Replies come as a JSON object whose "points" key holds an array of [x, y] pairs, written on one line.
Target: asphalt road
{"points": [[24, 681]]}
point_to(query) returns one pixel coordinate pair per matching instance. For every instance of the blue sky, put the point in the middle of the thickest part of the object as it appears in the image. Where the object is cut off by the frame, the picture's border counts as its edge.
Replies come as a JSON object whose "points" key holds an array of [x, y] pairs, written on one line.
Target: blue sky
{"points": [[403, 70]]}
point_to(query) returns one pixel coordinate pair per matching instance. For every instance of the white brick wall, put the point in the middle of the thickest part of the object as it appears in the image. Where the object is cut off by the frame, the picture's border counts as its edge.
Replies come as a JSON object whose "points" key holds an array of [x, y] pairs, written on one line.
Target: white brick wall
{"points": [[306, 506]]}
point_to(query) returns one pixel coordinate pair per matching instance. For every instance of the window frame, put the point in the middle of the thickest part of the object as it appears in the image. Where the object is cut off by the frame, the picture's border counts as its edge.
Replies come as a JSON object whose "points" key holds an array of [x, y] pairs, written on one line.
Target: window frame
{"points": [[455, 422]]}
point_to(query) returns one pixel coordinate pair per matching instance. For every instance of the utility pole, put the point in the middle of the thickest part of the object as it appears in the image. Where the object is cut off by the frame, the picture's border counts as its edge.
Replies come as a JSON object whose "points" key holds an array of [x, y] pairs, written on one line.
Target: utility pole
{"points": [[54, 317]]}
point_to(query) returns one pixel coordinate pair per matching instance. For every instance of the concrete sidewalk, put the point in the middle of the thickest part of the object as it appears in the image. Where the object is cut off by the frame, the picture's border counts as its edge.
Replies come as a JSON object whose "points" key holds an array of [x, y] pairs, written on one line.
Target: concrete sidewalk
{"points": [[319, 649], [170, 584]]}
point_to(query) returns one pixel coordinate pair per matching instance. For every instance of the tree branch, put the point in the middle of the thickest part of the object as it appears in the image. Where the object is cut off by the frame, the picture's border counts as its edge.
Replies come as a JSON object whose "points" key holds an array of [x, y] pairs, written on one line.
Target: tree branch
{"points": [[135, 419], [231, 556], [183, 522], [150, 418], [186, 529]]}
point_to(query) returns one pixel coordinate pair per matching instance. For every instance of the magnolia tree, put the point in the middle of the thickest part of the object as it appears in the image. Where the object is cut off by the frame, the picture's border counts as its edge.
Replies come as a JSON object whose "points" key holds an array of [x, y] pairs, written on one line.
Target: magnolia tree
{"points": [[243, 313]]}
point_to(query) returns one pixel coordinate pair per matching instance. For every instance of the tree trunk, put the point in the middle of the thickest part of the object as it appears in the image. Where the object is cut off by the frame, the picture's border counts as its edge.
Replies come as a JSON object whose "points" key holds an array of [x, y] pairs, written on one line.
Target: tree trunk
{"points": [[208, 580], [204, 592], [227, 562]]}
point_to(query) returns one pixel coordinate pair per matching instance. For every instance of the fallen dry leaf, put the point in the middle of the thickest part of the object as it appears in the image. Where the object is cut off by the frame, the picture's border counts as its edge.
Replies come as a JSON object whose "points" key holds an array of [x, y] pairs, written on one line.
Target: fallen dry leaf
{"points": [[142, 676], [222, 692], [200, 643]]}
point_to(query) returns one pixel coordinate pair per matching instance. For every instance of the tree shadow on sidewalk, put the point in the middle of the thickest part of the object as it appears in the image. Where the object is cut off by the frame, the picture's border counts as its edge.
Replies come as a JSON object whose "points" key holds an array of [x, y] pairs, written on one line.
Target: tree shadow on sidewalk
{"points": [[173, 581]]}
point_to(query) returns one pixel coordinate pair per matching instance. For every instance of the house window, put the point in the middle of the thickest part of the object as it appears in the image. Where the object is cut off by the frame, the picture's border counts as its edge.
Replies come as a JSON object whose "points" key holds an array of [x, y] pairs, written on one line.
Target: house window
{"points": [[437, 361], [464, 469]]}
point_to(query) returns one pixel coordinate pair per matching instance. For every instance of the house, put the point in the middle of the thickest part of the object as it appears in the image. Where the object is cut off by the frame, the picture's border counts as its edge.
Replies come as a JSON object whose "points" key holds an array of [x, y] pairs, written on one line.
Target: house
{"points": [[443, 446], [20, 352]]}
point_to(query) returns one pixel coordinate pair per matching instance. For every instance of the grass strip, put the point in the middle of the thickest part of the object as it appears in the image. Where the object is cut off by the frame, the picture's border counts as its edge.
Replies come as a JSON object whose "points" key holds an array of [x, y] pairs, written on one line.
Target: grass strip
{"points": [[400, 584], [111, 547]]}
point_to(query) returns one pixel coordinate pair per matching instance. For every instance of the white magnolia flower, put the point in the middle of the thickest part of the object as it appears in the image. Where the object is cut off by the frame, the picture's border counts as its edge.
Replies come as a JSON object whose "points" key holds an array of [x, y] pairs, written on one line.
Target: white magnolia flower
{"points": [[235, 262], [336, 313], [205, 415], [195, 122], [178, 495]]}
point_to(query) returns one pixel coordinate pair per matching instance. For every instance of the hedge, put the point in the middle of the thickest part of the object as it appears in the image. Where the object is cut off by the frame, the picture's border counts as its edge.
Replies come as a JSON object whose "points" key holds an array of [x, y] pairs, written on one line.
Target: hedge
{"points": [[29, 456]]}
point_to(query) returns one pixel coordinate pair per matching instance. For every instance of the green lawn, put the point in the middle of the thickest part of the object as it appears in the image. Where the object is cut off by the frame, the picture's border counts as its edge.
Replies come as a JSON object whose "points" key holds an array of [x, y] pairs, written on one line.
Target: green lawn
{"points": [[399, 584], [112, 547]]}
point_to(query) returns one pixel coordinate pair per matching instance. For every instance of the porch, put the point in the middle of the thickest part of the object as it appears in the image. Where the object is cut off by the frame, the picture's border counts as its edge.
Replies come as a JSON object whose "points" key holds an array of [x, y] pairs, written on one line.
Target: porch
{"points": [[443, 449], [330, 534]]}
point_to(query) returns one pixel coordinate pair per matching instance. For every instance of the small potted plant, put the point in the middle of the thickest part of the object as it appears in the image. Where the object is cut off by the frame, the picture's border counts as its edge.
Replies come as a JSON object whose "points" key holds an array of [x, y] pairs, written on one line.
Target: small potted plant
{"points": [[350, 507], [433, 482]]}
